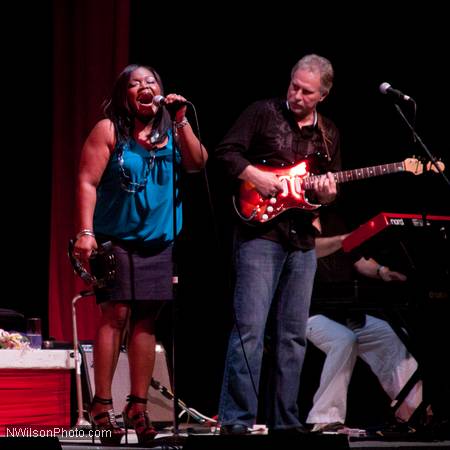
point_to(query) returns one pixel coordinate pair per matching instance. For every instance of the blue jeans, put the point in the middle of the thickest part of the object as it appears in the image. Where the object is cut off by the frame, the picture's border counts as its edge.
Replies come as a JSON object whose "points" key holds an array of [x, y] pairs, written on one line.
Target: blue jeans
{"points": [[266, 275]]}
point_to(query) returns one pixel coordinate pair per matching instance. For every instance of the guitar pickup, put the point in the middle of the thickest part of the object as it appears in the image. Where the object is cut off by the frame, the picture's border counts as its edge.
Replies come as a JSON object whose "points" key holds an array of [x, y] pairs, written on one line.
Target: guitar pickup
{"points": [[285, 186]]}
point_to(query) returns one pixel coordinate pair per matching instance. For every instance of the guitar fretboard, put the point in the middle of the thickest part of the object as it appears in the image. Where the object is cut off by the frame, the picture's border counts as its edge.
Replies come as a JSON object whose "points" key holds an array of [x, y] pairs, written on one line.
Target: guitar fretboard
{"points": [[359, 174]]}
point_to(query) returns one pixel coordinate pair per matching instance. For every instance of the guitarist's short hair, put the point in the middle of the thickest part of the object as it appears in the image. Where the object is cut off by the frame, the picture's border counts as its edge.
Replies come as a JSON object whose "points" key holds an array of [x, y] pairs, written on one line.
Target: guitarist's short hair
{"points": [[315, 63]]}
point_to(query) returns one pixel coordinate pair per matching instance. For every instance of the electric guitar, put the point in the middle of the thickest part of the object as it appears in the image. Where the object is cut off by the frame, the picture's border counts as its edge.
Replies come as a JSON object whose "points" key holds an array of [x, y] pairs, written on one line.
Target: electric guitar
{"points": [[296, 180]]}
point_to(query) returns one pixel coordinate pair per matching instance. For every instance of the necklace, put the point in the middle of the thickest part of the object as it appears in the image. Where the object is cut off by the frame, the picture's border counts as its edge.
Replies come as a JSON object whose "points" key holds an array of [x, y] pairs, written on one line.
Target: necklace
{"points": [[125, 180]]}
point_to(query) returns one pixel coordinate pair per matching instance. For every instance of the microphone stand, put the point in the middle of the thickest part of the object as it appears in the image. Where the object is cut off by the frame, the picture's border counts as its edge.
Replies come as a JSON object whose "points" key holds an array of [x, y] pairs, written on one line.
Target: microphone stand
{"points": [[175, 430], [424, 147], [423, 363], [176, 439]]}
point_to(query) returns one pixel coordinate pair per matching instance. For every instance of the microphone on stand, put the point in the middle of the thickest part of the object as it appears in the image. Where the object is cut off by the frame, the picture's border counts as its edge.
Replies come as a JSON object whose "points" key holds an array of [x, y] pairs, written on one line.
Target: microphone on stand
{"points": [[386, 88]]}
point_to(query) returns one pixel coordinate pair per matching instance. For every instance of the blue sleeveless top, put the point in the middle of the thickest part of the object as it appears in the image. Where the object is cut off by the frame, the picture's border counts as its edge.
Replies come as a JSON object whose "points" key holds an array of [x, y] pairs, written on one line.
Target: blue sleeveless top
{"points": [[135, 197]]}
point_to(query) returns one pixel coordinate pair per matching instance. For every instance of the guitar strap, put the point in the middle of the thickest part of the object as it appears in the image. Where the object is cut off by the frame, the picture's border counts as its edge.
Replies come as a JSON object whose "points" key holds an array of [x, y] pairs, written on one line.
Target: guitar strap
{"points": [[325, 136]]}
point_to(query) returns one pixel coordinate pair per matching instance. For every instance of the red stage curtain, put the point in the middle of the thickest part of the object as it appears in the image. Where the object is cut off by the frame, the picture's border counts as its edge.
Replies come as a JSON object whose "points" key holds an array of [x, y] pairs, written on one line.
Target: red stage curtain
{"points": [[90, 49]]}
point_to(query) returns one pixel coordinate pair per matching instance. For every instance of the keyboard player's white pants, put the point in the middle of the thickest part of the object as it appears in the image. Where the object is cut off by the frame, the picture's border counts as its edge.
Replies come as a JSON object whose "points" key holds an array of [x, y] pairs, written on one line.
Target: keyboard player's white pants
{"points": [[378, 345]]}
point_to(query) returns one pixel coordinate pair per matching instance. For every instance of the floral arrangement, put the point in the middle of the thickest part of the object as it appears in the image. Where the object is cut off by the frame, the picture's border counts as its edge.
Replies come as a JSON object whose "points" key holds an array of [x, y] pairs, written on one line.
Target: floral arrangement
{"points": [[13, 340]]}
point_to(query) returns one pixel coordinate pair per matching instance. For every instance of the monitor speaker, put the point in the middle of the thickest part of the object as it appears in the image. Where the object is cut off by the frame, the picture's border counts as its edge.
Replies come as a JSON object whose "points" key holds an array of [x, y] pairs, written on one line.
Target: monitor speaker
{"points": [[160, 407]]}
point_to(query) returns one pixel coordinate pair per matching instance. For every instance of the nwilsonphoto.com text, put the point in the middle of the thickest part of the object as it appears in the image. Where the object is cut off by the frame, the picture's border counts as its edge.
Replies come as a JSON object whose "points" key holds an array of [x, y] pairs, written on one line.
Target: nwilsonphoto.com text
{"points": [[54, 431]]}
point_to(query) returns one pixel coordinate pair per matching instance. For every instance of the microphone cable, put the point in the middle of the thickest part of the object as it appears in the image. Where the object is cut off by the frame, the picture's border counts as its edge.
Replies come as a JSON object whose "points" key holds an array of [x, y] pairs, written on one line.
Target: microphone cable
{"points": [[218, 240]]}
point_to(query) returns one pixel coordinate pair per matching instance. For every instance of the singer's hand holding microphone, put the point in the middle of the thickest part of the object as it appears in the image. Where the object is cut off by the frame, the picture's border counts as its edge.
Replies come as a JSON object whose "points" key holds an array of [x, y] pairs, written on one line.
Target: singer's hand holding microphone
{"points": [[175, 104]]}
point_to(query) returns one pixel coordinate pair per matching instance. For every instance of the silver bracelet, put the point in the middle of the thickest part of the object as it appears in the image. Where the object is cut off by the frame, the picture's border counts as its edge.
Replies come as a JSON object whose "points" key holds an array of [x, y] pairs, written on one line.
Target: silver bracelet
{"points": [[181, 124], [379, 270], [85, 232]]}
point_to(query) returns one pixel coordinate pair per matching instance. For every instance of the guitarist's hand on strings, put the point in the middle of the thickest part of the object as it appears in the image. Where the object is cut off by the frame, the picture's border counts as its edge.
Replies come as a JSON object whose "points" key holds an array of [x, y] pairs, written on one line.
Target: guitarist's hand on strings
{"points": [[266, 183], [325, 188]]}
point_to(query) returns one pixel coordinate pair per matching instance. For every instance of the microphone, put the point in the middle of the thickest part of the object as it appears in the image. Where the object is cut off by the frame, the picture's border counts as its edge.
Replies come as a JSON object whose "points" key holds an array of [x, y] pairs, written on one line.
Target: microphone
{"points": [[160, 100], [386, 88]]}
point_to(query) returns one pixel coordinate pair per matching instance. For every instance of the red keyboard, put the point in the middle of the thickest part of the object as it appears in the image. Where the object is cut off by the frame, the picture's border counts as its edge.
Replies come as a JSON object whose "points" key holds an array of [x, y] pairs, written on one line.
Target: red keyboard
{"points": [[385, 220]]}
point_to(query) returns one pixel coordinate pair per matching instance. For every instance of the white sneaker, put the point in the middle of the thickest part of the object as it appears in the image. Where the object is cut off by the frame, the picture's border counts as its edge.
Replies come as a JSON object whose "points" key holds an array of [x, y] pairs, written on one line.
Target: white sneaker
{"points": [[327, 427]]}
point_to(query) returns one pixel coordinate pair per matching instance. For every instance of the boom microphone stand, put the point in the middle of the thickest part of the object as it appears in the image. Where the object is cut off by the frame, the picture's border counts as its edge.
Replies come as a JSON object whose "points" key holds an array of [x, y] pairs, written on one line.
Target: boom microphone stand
{"points": [[431, 394], [423, 146]]}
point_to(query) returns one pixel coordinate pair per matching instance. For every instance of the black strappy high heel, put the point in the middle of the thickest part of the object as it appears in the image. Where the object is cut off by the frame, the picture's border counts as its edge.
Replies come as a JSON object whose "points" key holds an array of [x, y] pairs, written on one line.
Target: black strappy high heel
{"points": [[105, 422], [140, 421]]}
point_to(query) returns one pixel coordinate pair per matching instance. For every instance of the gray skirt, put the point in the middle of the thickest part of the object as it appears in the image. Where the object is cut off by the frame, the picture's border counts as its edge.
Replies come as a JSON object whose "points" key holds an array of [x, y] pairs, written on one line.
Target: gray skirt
{"points": [[141, 274]]}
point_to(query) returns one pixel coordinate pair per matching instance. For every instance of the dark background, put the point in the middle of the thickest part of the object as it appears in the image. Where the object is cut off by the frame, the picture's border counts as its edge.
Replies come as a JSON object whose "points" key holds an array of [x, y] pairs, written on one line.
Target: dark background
{"points": [[222, 59]]}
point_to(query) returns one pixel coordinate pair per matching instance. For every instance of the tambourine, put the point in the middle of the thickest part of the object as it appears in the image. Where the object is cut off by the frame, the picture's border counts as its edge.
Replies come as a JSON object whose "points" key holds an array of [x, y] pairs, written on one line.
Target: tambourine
{"points": [[102, 264]]}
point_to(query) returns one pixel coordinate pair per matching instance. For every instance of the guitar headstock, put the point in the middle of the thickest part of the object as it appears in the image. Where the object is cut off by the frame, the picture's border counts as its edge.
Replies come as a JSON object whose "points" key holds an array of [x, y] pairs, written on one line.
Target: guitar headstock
{"points": [[416, 166], [413, 165]]}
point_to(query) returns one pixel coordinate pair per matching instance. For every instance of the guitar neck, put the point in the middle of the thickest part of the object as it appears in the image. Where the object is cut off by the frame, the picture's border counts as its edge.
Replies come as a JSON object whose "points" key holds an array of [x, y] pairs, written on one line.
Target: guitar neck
{"points": [[360, 174]]}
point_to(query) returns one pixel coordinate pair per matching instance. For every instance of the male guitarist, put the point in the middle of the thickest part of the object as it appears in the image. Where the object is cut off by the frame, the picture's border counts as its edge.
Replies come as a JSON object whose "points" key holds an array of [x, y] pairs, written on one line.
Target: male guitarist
{"points": [[276, 261]]}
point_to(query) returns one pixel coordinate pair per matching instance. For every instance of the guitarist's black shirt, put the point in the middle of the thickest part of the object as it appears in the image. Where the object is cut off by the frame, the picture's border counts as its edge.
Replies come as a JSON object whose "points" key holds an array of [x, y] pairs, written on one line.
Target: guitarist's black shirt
{"points": [[267, 133]]}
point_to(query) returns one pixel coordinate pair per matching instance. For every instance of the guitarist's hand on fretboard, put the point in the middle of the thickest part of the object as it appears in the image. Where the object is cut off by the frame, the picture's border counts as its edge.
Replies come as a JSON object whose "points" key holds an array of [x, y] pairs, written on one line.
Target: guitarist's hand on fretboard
{"points": [[325, 188]]}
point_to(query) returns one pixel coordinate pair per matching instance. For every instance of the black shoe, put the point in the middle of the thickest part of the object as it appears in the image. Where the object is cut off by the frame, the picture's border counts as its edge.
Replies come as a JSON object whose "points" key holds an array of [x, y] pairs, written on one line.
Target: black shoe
{"points": [[392, 429], [398, 431], [436, 430], [234, 429], [300, 429]]}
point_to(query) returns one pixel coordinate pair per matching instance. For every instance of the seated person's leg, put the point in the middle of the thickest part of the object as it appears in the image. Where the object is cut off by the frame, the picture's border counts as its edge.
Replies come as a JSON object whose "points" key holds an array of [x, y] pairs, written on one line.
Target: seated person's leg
{"points": [[390, 361], [338, 342]]}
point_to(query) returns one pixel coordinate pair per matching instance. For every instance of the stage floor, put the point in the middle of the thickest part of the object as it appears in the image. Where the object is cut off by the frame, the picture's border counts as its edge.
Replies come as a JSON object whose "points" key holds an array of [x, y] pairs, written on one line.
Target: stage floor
{"points": [[220, 443], [198, 437]]}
